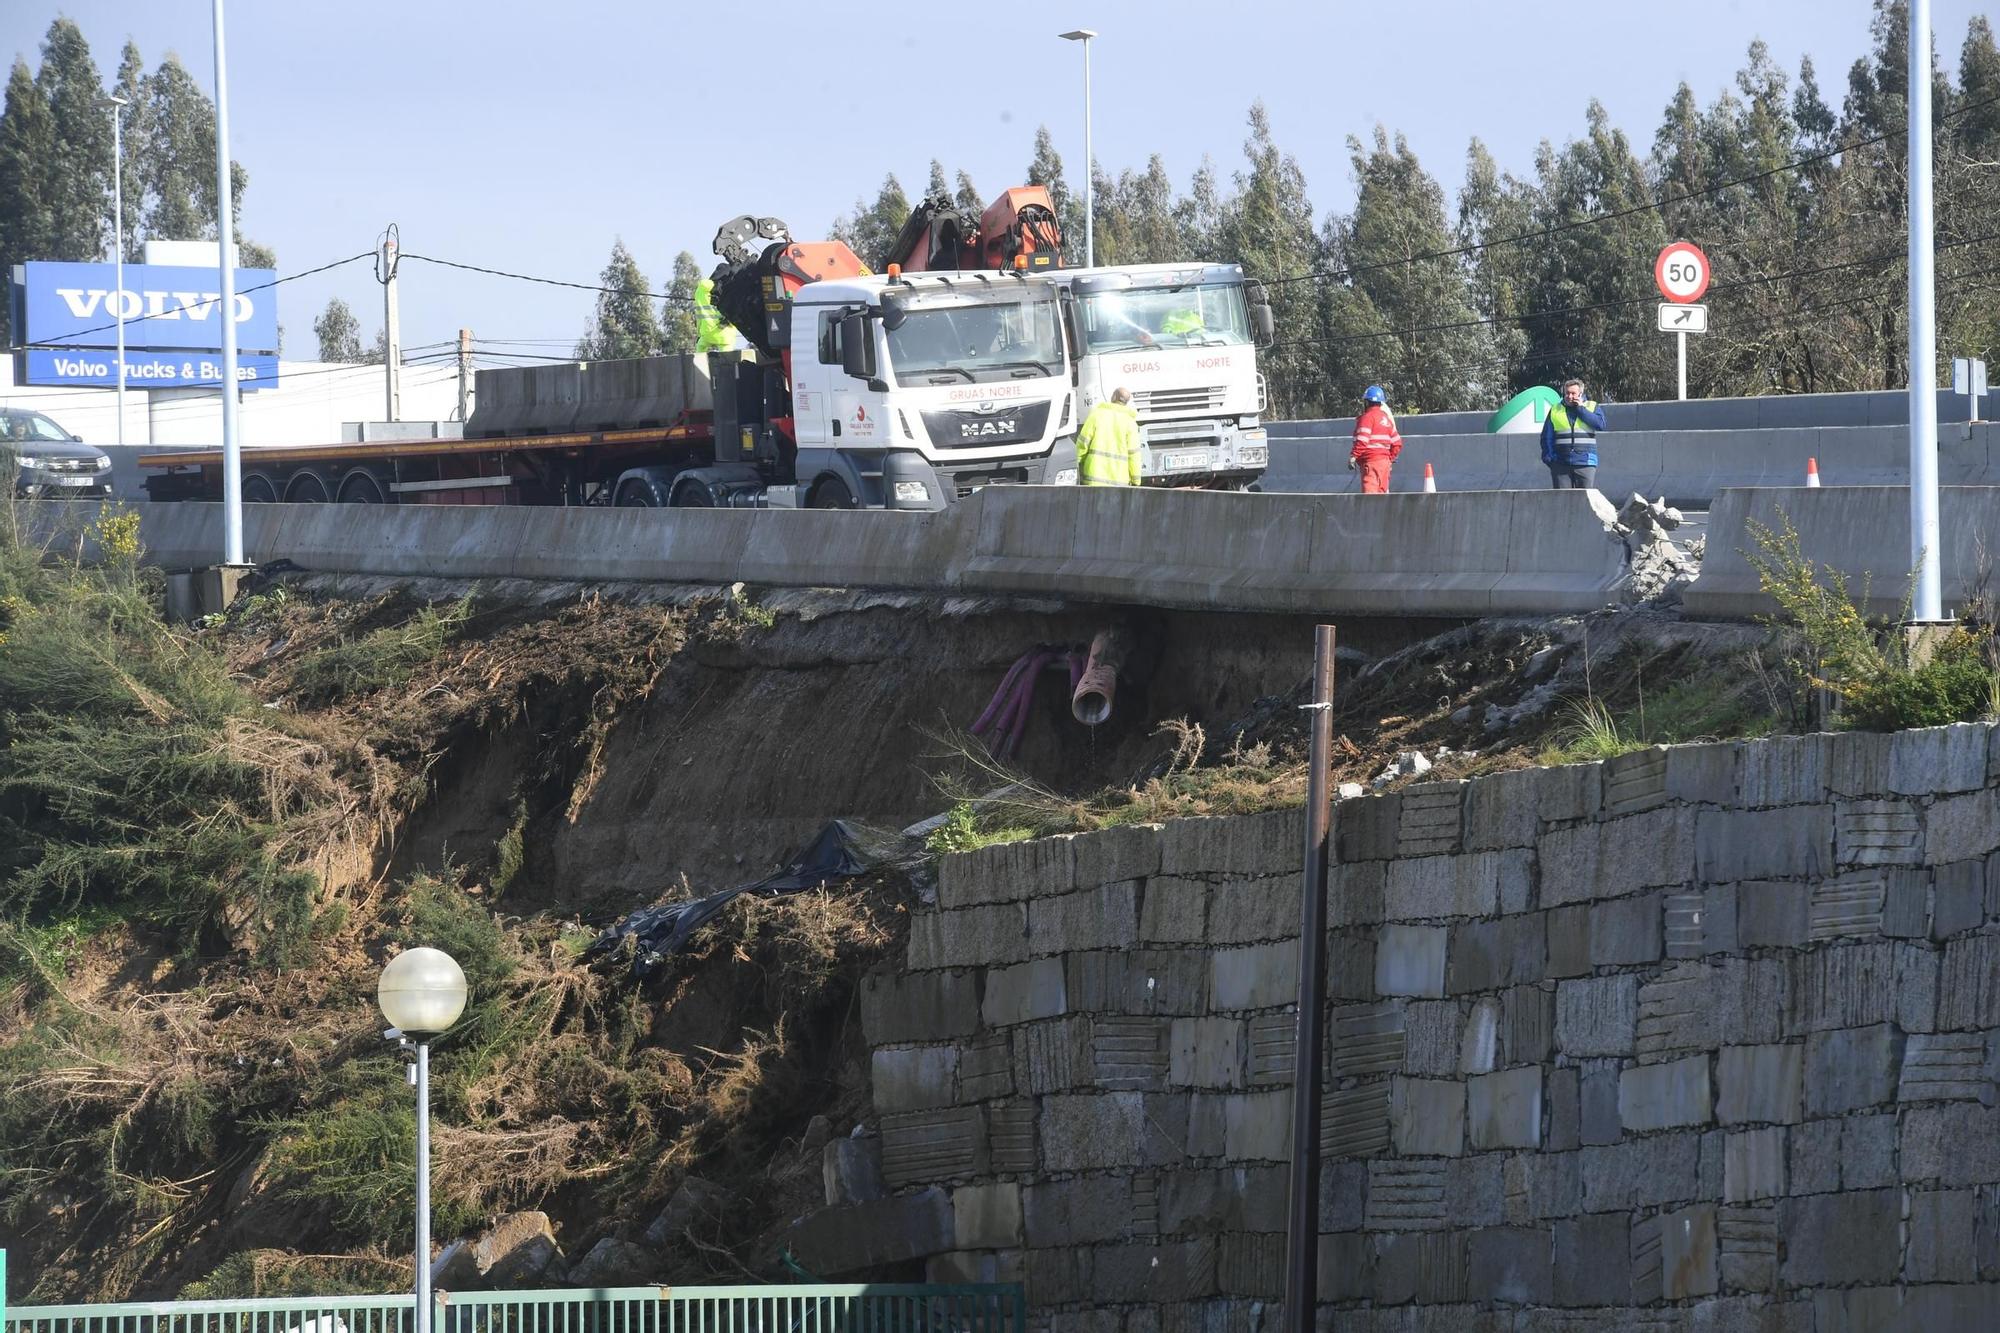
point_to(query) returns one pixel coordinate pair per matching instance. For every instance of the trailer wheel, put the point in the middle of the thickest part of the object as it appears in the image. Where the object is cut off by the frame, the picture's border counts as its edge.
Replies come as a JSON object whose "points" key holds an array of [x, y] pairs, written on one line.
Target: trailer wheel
{"points": [[637, 493], [832, 493], [361, 488], [259, 489], [307, 487]]}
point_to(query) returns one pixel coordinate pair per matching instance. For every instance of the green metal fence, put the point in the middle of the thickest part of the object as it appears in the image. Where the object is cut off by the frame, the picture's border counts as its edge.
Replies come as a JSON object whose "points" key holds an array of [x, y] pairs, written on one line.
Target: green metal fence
{"points": [[874, 1308]]}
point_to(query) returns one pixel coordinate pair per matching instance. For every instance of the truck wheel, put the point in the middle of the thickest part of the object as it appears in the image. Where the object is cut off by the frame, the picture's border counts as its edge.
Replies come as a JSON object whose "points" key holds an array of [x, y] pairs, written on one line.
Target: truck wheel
{"points": [[694, 494], [832, 494], [637, 494], [259, 490]]}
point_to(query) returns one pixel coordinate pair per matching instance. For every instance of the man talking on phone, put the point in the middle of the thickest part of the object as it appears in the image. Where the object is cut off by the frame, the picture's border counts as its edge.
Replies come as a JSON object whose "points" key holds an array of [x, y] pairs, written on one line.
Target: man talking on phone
{"points": [[1569, 439]]}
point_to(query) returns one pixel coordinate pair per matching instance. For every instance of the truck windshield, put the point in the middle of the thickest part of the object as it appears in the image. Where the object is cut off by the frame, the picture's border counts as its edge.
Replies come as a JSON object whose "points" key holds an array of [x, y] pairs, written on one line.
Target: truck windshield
{"points": [[1191, 316], [996, 341]]}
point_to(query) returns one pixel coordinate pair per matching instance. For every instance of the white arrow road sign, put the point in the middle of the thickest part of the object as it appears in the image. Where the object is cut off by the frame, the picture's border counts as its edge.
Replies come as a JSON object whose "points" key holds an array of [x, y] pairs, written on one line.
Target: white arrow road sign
{"points": [[1683, 318]]}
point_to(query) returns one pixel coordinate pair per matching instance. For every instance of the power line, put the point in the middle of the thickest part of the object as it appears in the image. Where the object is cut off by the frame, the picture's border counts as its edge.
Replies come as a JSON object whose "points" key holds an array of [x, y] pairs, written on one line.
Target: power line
{"points": [[1649, 299], [68, 338], [551, 282], [1595, 219], [1772, 323]]}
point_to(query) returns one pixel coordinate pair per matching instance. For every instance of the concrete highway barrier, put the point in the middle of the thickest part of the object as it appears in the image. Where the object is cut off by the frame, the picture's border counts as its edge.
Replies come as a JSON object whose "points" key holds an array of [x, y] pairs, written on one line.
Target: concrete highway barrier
{"points": [[1466, 554], [1688, 467], [1861, 531], [1772, 411]]}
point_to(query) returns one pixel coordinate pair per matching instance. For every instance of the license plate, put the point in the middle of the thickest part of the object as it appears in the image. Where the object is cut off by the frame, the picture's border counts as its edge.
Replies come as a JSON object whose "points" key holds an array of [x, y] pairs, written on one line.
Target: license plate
{"points": [[75, 481], [1253, 453], [1184, 462]]}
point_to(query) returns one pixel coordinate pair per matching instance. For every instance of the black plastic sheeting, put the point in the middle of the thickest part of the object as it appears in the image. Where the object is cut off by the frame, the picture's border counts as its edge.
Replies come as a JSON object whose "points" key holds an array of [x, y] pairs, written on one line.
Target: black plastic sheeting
{"points": [[842, 851]]}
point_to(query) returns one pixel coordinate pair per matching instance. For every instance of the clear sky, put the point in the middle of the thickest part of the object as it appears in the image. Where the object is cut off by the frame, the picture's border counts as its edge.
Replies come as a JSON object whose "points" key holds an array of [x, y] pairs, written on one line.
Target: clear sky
{"points": [[525, 135]]}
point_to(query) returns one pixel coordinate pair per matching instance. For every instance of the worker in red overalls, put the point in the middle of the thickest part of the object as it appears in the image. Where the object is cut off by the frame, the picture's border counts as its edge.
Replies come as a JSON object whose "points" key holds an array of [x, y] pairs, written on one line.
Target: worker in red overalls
{"points": [[1376, 442]]}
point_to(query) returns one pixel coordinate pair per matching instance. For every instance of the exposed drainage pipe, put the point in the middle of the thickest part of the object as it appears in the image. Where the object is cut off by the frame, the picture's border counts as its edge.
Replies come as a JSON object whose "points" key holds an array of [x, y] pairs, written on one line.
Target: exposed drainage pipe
{"points": [[1092, 696]]}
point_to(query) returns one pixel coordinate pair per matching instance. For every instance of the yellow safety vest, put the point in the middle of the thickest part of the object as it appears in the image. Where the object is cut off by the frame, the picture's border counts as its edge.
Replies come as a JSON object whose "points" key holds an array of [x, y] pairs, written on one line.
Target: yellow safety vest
{"points": [[1107, 447], [713, 333], [1575, 442], [1182, 321]]}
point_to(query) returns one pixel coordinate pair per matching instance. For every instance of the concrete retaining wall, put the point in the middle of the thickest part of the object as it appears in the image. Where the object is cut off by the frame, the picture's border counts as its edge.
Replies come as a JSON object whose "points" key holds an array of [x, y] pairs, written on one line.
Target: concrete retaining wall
{"points": [[1459, 555], [1862, 531], [1701, 1037], [1689, 467]]}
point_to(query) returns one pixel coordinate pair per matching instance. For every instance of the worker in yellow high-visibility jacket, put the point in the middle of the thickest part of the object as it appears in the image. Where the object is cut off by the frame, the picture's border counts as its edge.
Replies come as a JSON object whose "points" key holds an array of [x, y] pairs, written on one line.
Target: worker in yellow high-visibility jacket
{"points": [[1107, 447], [712, 331]]}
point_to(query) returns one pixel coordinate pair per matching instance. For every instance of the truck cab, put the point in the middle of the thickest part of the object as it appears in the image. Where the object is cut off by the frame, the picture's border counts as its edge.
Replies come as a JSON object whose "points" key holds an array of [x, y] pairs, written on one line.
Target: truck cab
{"points": [[910, 392], [1183, 338]]}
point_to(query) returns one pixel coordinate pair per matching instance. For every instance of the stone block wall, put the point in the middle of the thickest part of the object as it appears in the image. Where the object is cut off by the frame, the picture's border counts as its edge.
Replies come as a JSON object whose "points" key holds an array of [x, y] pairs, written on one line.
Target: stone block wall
{"points": [[1700, 1037]]}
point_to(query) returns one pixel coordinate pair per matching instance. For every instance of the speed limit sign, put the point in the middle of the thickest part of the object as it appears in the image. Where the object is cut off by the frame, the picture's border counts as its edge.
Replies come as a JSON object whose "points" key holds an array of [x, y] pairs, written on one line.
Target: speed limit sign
{"points": [[1681, 272]]}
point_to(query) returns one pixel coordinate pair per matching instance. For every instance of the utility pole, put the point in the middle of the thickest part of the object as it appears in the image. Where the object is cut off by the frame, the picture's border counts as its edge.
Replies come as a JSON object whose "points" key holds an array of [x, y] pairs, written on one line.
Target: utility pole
{"points": [[1927, 596], [1089, 162], [464, 372], [1302, 1209], [118, 243], [225, 232], [392, 324]]}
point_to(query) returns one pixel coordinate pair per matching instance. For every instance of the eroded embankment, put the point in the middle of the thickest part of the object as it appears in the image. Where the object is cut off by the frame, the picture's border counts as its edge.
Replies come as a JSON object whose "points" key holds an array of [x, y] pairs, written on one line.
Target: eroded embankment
{"points": [[196, 1085]]}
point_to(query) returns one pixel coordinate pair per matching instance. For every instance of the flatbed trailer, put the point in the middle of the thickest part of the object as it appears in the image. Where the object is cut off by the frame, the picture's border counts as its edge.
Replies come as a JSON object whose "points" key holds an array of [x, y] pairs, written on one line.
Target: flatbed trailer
{"points": [[566, 468]]}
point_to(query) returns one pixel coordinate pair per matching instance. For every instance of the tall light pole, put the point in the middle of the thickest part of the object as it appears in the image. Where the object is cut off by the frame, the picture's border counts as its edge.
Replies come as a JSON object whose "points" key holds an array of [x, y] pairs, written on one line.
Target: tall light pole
{"points": [[1089, 160], [1927, 597], [421, 993], [225, 235], [118, 243]]}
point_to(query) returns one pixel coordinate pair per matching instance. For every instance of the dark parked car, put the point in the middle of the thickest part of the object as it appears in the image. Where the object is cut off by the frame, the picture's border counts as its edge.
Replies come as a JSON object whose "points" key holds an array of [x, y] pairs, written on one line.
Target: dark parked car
{"points": [[51, 460]]}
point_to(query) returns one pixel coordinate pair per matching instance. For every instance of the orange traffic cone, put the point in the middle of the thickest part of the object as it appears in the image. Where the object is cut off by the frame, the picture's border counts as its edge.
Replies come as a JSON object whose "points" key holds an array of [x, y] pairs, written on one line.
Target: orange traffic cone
{"points": [[1812, 473], [1431, 481]]}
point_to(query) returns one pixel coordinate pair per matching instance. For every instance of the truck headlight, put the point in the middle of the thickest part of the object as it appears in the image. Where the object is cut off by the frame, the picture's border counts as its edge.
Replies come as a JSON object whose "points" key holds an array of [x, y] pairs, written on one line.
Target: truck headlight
{"points": [[1065, 476], [911, 492]]}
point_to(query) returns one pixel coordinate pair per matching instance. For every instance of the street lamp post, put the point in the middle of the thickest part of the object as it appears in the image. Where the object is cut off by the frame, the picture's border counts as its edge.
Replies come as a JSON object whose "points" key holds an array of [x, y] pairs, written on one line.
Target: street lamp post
{"points": [[421, 993], [118, 244], [1089, 160], [1927, 591], [225, 237]]}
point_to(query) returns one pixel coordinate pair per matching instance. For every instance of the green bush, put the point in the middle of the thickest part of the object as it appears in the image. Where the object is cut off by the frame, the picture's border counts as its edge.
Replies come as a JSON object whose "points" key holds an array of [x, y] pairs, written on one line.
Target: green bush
{"points": [[135, 775], [1869, 667], [1956, 685]]}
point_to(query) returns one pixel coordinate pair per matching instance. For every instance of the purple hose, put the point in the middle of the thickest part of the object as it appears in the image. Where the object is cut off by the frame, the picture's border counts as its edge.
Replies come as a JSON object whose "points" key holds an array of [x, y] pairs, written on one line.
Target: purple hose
{"points": [[1005, 719], [1016, 718], [987, 718]]}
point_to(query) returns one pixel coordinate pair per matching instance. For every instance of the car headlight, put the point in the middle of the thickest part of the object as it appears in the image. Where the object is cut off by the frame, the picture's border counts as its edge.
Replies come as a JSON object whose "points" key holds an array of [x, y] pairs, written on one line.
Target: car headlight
{"points": [[103, 462], [1066, 476], [911, 491]]}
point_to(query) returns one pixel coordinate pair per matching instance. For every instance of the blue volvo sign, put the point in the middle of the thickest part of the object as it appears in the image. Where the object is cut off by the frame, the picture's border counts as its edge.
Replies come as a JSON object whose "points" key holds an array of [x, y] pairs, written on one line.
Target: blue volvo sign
{"points": [[148, 370], [165, 308]]}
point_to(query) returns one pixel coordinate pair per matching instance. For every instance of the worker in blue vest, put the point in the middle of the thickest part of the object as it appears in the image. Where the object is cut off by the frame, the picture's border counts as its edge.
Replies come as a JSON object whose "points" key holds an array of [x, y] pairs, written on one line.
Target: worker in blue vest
{"points": [[1569, 439]]}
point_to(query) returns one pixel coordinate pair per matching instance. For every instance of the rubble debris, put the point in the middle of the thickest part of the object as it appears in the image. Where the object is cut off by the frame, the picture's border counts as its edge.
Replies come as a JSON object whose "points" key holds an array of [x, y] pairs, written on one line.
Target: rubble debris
{"points": [[517, 1250], [695, 1200], [1659, 571], [1502, 717], [1543, 663], [615, 1263], [1408, 764], [1640, 515]]}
